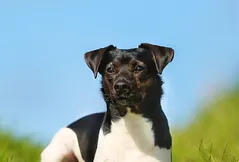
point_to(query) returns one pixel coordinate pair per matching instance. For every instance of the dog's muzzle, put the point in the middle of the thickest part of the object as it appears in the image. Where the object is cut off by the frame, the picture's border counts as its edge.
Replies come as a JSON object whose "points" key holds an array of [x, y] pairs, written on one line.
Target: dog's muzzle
{"points": [[124, 93], [122, 88]]}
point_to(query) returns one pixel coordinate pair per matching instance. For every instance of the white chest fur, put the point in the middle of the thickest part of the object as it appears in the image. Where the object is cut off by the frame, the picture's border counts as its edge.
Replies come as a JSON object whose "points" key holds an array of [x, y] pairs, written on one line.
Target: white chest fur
{"points": [[131, 140]]}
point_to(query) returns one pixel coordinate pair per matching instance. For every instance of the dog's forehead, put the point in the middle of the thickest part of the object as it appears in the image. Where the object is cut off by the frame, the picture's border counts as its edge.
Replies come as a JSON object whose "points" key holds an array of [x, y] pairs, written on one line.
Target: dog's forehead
{"points": [[125, 55]]}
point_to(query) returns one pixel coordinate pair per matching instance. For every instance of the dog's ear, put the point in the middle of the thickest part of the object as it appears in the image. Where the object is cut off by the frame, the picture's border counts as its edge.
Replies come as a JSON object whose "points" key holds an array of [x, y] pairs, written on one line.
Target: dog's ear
{"points": [[94, 58], [161, 55]]}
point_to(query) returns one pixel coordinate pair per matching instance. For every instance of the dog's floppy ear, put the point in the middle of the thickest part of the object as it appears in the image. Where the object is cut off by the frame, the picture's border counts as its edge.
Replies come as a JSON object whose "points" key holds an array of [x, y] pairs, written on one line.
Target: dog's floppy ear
{"points": [[94, 58], [161, 55]]}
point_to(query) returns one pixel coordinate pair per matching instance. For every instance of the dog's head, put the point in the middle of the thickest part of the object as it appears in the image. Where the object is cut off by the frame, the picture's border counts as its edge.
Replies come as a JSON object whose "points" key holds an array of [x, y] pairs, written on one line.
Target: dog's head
{"points": [[128, 74]]}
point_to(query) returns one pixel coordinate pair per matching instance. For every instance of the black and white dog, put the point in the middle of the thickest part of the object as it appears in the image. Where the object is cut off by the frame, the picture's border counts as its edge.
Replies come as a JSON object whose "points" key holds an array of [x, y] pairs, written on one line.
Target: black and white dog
{"points": [[134, 127]]}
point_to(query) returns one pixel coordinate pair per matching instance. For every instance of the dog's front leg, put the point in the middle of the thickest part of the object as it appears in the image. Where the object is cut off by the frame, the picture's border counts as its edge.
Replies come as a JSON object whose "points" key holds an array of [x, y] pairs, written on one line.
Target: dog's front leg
{"points": [[62, 148]]}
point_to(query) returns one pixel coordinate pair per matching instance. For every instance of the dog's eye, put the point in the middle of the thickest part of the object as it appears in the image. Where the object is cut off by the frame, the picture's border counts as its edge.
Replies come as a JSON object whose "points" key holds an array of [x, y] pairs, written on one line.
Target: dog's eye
{"points": [[110, 70], [139, 68]]}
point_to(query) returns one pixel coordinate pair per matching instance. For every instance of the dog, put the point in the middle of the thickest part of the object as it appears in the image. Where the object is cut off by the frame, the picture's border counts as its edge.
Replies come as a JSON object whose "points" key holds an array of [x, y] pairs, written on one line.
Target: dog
{"points": [[134, 127]]}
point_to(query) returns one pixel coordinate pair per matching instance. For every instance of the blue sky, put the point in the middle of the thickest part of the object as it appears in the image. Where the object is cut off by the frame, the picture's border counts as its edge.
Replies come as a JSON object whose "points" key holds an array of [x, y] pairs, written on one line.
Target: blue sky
{"points": [[45, 83]]}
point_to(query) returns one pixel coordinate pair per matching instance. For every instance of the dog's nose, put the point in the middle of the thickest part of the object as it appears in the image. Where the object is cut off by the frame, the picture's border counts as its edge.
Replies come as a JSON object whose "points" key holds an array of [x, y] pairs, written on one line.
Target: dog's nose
{"points": [[121, 87]]}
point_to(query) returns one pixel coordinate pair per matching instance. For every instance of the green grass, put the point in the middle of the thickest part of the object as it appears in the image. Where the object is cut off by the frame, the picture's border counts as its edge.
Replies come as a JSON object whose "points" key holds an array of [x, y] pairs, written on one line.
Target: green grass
{"points": [[14, 149], [214, 134], [212, 137]]}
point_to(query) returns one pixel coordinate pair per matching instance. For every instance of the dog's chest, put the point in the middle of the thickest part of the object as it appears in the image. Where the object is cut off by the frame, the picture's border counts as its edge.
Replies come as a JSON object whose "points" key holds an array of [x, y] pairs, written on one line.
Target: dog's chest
{"points": [[131, 140]]}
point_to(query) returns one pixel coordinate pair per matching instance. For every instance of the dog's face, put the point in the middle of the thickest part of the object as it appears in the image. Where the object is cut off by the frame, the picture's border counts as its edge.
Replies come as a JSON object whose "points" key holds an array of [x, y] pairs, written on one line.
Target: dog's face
{"points": [[128, 74]]}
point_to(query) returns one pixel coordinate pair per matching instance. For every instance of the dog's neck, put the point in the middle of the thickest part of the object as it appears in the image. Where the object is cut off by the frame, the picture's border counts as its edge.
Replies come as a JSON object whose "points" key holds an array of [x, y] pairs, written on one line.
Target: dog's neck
{"points": [[149, 108]]}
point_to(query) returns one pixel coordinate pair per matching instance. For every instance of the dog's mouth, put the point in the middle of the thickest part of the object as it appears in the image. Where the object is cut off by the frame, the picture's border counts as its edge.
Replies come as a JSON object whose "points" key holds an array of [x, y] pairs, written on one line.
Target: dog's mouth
{"points": [[127, 99], [124, 96], [122, 100]]}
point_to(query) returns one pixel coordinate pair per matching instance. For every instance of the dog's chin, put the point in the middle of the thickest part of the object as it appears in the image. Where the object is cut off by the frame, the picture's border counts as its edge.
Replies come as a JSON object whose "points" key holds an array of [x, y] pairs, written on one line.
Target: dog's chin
{"points": [[127, 100], [122, 102]]}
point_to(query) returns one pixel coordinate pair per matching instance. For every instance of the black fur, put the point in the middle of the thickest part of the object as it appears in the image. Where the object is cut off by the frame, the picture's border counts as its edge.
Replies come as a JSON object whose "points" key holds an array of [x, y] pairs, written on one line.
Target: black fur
{"points": [[87, 129]]}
